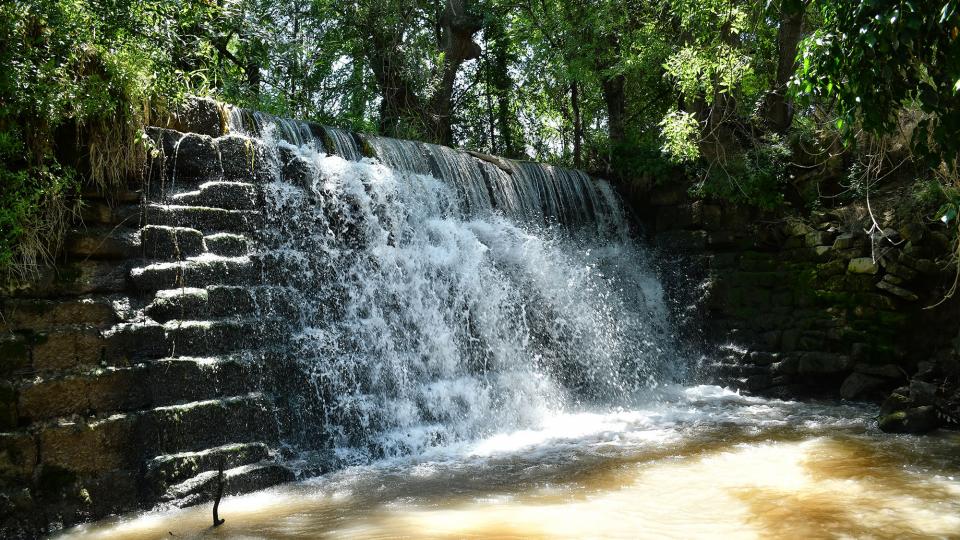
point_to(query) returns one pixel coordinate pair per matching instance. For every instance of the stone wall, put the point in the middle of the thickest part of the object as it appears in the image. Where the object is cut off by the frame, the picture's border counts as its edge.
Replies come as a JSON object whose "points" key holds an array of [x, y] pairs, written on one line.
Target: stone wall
{"points": [[816, 306], [137, 366]]}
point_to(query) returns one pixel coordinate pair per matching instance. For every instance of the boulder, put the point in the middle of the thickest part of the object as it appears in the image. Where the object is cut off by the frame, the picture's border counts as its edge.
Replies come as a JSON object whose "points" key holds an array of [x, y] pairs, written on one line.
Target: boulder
{"points": [[922, 393], [888, 371], [796, 227], [862, 386], [912, 232], [916, 420], [819, 238], [198, 115], [897, 291], [862, 265]]}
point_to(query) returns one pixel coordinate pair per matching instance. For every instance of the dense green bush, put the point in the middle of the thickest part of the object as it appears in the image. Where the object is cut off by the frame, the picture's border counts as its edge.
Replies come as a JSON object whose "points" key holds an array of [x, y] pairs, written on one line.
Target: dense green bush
{"points": [[77, 81]]}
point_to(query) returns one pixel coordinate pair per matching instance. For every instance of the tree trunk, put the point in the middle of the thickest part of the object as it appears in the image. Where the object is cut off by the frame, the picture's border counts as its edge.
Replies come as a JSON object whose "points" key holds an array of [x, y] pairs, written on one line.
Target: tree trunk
{"points": [[614, 97], [400, 103], [577, 125], [779, 109], [491, 126], [503, 87], [459, 27]]}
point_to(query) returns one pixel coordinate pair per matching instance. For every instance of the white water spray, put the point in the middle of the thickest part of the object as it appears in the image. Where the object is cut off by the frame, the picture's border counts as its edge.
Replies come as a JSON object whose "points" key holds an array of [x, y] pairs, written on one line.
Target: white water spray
{"points": [[443, 307]]}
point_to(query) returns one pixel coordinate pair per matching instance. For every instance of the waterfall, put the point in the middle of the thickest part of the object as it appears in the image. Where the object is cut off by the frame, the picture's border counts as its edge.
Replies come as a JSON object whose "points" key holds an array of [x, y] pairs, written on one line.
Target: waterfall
{"points": [[440, 297]]}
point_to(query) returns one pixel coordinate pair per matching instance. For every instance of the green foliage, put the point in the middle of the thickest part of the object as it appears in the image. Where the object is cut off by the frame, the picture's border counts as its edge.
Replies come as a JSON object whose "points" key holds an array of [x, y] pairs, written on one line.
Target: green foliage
{"points": [[681, 133], [874, 58], [76, 81], [624, 88], [757, 177]]}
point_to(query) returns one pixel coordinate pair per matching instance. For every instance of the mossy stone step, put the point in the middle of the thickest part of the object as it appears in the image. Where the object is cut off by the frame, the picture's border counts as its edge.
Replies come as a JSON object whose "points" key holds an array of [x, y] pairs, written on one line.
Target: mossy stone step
{"points": [[199, 272], [104, 391], [102, 243], [168, 243], [36, 314], [167, 470], [206, 219], [237, 480], [221, 194]]}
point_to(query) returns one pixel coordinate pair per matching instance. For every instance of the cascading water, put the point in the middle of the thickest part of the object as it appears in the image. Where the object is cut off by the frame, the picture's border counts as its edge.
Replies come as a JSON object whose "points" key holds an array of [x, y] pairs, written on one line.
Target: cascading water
{"points": [[443, 299], [491, 329]]}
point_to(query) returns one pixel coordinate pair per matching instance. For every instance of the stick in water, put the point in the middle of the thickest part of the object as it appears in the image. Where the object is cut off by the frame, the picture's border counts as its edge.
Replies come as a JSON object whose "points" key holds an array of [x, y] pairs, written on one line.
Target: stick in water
{"points": [[216, 502]]}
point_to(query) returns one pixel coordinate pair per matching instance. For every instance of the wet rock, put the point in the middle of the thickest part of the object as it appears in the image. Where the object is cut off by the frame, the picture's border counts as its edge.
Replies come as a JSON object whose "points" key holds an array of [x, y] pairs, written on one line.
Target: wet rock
{"points": [[862, 265], [171, 243], [916, 420], [198, 115], [98, 446], [898, 400], [67, 348], [674, 217], [897, 291], [8, 406], [888, 371], [912, 232], [819, 238], [796, 227], [927, 267], [100, 243], [922, 393], [847, 241], [227, 244], [939, 241], [184, 158], [18, 455], [892, 279], [862, 386], [901, 271], [183, 303], [668, 195], [707, 215], [822, 363], [246, 160], [34, 314]]}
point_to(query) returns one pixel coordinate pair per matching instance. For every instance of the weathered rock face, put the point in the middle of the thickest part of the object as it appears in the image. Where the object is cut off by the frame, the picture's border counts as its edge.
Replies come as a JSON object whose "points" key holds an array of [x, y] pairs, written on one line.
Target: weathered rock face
{"points": [[816, 306], [139, 365]]}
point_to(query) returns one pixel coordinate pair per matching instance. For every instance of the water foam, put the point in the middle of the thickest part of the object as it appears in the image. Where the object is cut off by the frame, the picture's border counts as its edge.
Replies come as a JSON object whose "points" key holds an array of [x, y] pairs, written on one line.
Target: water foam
{"points": [[447, 307]]}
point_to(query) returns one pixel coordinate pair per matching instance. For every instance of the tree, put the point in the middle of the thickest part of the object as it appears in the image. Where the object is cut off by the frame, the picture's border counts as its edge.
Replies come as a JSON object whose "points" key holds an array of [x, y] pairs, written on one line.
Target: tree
{"points": [[872, 59]]}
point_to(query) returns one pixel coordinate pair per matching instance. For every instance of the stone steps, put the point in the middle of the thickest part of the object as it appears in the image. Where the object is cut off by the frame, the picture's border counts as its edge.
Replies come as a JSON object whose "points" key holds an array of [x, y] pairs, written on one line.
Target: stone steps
{"points": [[122, 441], [102, 243], [220, 336], [205, 424], [105, 391], [38, 314], [97, 213], [220, 301], [198, 272], [170, 469], [143, 361], [187, 160], [207, 219], [242, 479], [227, 244], [169, 243], [221, 194]]}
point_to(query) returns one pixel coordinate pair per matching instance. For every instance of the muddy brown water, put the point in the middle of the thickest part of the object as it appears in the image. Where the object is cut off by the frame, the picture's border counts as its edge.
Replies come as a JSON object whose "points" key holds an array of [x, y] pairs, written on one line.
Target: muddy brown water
{"points": [[700, 463]]}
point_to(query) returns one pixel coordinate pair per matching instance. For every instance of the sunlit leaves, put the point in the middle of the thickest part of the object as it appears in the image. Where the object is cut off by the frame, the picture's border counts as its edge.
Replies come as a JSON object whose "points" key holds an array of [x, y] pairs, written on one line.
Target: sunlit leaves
{"points": [[680, 131], [902, 54]]}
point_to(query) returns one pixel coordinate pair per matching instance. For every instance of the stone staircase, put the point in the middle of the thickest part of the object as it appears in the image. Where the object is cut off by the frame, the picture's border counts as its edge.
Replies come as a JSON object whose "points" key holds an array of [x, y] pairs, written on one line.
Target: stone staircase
{"points": [[147, 359]]}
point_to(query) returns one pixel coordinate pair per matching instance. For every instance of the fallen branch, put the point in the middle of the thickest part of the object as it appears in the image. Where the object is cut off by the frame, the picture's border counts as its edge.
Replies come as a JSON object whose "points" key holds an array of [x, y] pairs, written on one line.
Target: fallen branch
{"points": [[216, 502]]}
